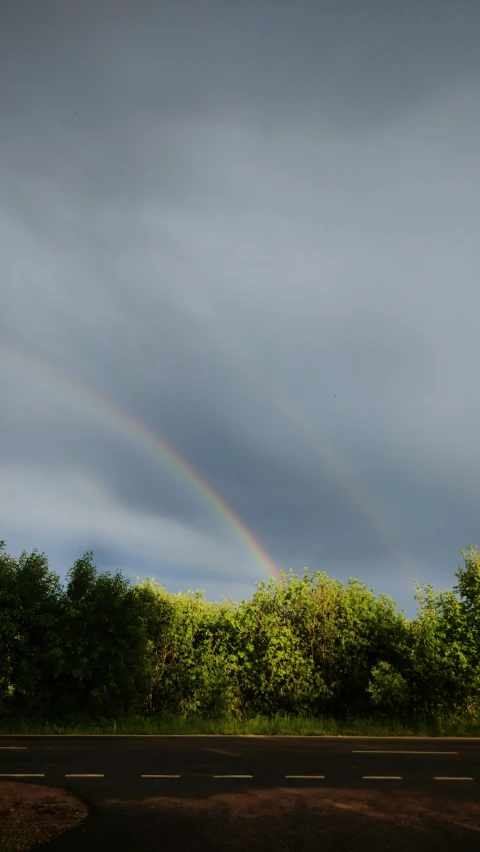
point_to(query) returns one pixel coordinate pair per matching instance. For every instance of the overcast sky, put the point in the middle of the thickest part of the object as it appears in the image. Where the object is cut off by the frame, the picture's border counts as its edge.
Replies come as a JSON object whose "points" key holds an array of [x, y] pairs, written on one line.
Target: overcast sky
{"points": [[251, 227]]}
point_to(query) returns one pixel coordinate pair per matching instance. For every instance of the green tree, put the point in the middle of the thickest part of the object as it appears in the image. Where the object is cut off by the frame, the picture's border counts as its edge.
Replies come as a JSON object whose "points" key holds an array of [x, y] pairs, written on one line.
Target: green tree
{"points": [[191, 669], [444, 667], [103, 666], [302, 645], [9, 606], [30, 615]]}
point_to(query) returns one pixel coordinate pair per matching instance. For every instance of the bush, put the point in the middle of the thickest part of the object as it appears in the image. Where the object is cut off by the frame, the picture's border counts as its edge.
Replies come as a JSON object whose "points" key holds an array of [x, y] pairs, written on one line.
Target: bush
{"points": [[388, 689]]}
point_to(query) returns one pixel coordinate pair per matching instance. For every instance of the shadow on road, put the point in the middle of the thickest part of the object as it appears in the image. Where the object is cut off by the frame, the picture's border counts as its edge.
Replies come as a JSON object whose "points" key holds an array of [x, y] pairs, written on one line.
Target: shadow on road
{"points": [[302, 819]]}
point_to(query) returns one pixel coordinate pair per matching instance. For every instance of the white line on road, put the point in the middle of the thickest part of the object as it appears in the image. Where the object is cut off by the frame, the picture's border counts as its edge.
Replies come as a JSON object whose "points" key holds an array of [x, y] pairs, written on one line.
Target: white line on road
{"points": [[398, 751], [82, 775], [159, 776], [304, 776], [233, 776], [383, 777], [446, 778], [5, 748], [20, 775]]}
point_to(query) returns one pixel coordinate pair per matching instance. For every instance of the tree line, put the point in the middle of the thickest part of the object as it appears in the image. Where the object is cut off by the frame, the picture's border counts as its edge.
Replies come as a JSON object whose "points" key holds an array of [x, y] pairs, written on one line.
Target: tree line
{"points": [[303, 645]]}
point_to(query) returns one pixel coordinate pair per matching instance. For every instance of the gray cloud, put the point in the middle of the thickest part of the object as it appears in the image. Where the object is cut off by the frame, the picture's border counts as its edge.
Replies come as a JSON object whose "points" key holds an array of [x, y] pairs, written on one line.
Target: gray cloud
{"points": [[255, 231]]}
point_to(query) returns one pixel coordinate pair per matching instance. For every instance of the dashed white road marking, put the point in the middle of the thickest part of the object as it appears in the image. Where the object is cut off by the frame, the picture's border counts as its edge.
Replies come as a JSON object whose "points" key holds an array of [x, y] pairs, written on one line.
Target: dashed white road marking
{"points": [[233, 776], [304, 776], [290, 777], [397, 751], [159, 776], [447, 778], [84, 775], [382, 777], [21, 775]]}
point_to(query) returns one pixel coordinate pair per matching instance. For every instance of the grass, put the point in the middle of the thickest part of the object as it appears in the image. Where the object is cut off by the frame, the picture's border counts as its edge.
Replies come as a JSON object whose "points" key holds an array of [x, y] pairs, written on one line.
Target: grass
{"points": [[260, 725]]}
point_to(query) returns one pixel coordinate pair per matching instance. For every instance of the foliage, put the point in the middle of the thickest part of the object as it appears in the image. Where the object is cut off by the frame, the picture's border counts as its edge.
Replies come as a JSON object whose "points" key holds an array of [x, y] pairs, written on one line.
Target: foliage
{"points": [[29, 615], [388, 689], [303, 645]]}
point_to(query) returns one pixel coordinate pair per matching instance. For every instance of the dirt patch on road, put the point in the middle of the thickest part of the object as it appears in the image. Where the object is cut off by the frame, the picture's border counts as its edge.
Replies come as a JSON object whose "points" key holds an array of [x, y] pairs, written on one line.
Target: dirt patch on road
{"points": [[33, 813], [399, 806], [329, 818]]}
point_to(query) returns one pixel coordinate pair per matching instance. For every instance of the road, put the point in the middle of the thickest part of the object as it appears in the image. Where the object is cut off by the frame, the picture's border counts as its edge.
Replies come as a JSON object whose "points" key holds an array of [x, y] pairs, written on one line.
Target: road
{"points": [[255, 793]]}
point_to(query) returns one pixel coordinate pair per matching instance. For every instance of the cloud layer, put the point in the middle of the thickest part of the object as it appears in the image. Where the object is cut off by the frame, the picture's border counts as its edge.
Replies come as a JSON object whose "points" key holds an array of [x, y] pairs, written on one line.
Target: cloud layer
{"points": [[256, 234]]}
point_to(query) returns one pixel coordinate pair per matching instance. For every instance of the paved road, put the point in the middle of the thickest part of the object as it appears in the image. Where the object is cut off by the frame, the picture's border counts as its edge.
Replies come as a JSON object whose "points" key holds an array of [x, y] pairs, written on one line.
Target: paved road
{"points": [[256, 793]]}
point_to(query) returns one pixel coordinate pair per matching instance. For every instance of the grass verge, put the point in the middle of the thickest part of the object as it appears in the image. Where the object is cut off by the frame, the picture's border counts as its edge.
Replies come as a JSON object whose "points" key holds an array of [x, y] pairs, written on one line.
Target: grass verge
{"points": [[260, 725]]}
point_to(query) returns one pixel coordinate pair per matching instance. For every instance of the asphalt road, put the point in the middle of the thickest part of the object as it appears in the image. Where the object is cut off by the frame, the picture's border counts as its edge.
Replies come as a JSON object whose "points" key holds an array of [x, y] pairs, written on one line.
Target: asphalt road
{"points": [[255, 793]]}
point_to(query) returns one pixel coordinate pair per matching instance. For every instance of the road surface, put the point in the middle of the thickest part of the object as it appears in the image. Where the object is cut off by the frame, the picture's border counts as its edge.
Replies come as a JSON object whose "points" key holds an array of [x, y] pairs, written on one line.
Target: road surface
{"points": [[254, 793]]}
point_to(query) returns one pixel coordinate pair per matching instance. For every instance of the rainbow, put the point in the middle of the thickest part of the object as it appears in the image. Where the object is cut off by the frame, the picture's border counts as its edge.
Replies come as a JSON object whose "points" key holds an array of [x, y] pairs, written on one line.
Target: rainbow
{"points": [[363, 502], [121, 420]]}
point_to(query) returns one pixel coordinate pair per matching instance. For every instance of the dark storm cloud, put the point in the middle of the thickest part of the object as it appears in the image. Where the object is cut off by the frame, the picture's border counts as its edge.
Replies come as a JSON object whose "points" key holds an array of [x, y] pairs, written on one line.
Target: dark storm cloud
{"points": [[107, 90], [367, 61], [190, 187]]}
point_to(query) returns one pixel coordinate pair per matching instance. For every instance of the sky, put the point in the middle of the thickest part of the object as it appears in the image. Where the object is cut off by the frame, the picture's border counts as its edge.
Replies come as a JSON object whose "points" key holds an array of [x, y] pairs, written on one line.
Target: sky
{"points": [[239, 289]]}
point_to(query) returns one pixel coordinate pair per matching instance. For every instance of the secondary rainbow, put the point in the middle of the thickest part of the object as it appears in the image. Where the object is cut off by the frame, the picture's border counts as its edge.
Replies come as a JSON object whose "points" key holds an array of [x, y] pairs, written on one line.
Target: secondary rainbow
{"points": [[358, 496]]}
